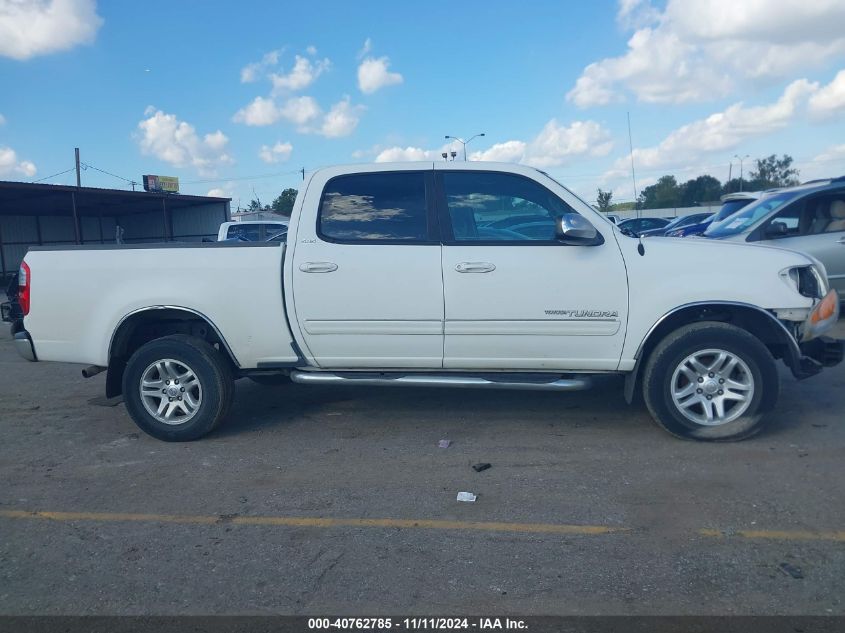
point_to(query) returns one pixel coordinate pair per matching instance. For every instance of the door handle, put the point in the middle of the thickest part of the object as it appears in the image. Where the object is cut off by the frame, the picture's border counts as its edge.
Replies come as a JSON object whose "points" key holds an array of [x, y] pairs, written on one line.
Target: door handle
{"points": [[475, 267], [318, 267]]}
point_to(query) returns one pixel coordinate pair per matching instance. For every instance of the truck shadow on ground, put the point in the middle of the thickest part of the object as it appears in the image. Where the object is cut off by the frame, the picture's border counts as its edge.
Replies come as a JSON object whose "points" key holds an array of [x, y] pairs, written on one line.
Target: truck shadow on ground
{"points": [[258, 407]]}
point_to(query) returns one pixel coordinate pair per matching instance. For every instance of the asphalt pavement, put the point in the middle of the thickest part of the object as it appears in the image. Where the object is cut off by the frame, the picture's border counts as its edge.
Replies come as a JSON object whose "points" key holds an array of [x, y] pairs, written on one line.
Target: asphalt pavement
{"points": [[313, 500]]}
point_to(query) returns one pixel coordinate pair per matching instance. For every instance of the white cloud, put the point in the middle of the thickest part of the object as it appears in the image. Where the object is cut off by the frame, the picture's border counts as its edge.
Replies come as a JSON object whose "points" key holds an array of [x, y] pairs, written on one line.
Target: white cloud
{"points": [[265, 111], [253, 72], [302, 75], [2, 120], [29, 28], [311, 50], [830, 99], [402, 154], [373, 74], [696, 50], [278, 152], [341, 119], [507, 152], [555, 145], [718, 132], [300, 110], [366, 48], [11, 166], [261, 111], [836, 152], [177, 143]]}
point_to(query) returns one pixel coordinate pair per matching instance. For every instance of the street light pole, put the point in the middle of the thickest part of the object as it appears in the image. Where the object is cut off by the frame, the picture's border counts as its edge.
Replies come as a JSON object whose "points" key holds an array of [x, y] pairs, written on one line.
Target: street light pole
{"points": [[464, 142], [741, 159]]}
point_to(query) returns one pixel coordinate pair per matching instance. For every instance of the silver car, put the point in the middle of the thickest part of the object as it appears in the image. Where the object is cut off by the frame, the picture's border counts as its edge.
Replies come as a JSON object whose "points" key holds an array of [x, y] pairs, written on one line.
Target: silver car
{"points": [[809, 218]]}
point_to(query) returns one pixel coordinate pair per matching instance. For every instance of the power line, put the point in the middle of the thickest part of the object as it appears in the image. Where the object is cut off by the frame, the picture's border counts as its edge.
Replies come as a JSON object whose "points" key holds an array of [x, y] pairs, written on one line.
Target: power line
{"points": [[108, 173], [61, 173]]}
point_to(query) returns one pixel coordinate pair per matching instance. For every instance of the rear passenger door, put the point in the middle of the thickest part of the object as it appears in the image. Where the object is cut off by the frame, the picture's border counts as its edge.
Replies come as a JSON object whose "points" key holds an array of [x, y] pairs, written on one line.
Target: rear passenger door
{"points": [[366, 276]]}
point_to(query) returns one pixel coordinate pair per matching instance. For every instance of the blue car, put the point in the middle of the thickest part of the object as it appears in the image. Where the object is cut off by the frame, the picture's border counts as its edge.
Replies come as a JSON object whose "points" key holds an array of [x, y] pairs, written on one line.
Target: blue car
{"points": [[731, 203], [677, 223]]}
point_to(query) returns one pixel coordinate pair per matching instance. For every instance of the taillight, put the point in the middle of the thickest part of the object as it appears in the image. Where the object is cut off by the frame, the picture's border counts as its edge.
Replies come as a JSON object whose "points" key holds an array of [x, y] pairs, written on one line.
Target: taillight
{"points": [[24, 284]]}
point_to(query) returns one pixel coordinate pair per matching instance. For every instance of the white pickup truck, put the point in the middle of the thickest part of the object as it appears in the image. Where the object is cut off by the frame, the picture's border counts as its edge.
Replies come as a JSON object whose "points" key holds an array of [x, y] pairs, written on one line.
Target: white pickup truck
{"points": [[477, 275]]}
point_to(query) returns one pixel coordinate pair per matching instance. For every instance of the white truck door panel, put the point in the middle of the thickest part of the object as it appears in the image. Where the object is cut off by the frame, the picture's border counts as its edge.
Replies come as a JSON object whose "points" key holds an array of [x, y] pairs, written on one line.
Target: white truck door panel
{"points": [[515, 298], [367, 282]]}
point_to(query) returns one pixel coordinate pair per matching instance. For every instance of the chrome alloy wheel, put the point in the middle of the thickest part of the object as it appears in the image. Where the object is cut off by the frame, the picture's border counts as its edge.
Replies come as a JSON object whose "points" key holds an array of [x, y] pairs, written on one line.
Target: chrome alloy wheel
{"points": [[170, 391], [712, 387]]}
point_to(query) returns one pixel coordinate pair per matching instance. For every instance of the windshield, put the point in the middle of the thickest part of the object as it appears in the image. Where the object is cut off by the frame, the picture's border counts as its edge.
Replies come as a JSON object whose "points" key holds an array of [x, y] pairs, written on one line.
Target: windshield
{"points": [[730, 207], [749, 215]]}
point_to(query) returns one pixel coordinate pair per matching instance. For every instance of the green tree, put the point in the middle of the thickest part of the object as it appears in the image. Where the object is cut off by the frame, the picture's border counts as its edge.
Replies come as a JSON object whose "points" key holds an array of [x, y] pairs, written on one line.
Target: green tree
{"points": [[255, 207], [702, 189], [283, 205], [772, 172], [663, 194], [603, 200]]}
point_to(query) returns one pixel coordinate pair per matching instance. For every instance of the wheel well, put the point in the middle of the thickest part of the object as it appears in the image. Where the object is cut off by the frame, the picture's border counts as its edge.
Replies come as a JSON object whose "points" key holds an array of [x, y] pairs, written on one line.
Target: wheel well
{"points": [[754, 320], [147, 325]]}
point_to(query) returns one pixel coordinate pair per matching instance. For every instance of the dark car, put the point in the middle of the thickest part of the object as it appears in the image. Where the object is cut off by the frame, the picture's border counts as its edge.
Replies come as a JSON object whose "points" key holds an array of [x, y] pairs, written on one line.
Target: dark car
{"points": [[677, 223], [731, 203], [638, 225]]}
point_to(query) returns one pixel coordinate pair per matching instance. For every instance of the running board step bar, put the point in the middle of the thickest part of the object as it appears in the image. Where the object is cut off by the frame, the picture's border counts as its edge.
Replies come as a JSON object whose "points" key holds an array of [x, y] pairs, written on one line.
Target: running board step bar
{"points": [[531, 382]]}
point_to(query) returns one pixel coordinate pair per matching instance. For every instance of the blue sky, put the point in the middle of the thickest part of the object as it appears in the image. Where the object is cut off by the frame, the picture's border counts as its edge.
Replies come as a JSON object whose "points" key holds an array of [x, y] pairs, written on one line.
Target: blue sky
{"points": [[222, 94]]}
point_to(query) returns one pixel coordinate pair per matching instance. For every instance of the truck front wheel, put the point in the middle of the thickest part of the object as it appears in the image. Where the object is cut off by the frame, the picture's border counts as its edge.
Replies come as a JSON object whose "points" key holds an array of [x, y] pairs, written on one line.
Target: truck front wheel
{"points": [[177, 388], [711, 381]]}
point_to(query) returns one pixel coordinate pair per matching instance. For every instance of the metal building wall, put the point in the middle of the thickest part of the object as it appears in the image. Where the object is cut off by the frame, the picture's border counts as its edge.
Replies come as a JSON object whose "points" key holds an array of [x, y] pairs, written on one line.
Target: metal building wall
{"points": [[195, 223], [189, 224]]}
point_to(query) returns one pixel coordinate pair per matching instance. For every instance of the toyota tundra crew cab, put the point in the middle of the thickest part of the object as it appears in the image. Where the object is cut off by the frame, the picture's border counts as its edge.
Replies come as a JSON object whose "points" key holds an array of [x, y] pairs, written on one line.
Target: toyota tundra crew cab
{"points": [[474, 275]]}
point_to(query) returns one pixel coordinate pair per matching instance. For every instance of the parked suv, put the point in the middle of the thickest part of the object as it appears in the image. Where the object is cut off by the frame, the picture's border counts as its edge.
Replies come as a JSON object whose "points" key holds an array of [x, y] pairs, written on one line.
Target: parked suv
{"points": [[731, 203], [809, 218]]}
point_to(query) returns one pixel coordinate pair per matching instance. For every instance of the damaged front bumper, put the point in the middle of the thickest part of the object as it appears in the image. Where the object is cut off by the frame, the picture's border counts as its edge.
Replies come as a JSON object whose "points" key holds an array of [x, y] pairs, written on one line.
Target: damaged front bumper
{"points": [[816, 351]]}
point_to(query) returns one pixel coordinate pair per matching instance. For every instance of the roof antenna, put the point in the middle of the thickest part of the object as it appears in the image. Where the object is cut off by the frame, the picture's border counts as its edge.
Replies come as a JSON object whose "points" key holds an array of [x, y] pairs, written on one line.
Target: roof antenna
{"points": [[640, 247]]}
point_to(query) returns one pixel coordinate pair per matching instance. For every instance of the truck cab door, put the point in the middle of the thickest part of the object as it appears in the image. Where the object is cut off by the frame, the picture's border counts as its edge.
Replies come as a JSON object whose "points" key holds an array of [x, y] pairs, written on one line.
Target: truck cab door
{"points": [[515, 298], [367, 284]]}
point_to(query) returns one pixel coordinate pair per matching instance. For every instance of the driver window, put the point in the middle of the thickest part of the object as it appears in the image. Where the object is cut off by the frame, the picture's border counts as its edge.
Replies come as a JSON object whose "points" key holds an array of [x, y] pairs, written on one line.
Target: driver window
{"points": [[793, 217], [490, 206]]}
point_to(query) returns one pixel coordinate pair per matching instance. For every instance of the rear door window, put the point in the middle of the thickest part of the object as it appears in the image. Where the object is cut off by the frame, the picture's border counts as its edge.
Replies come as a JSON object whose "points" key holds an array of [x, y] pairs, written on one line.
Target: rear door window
{"points": [[385, 207]]}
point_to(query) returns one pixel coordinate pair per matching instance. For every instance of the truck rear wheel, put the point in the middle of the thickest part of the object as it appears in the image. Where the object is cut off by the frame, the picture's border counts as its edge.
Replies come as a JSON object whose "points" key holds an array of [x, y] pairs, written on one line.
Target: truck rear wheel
{"points": [[711, 381], [177, 388]]}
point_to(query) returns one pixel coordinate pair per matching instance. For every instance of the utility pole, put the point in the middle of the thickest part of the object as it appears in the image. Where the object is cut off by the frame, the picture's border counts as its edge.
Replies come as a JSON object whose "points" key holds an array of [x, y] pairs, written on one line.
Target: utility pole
{"points": [[741, 159], [303, 173], [78, 176], [730, 174]]}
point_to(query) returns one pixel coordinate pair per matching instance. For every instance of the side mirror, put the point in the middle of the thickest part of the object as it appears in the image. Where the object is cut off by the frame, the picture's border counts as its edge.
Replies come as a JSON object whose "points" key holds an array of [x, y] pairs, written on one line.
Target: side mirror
{"points": [[776, 230], [573, 230]]}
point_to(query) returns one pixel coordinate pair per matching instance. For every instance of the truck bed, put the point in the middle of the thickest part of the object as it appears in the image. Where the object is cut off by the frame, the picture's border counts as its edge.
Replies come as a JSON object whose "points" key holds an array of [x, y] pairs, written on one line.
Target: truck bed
{"points": [[81, 294]]}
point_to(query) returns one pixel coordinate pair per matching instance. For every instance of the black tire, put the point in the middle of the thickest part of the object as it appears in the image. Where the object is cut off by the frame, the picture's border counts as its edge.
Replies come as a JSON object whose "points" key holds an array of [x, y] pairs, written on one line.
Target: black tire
{"points": [[663, 372], [270, 380], [214, 376]]}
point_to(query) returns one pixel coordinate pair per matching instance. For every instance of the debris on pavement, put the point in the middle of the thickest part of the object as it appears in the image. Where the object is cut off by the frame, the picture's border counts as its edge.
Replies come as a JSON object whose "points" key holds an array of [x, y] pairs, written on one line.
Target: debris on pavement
{"points": [[467, 497], [791, 570], [444, 443], [482, 466]]}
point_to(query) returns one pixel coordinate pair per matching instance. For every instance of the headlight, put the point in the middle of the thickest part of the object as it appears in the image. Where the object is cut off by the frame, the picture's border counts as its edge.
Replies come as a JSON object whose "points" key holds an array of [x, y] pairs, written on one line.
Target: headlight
{"points": [[809, 281]]}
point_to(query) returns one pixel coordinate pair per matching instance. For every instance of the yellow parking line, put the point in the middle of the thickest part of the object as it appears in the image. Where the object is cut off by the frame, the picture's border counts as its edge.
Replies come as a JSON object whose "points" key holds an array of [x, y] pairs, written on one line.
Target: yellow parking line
{"points": [[778, 535], [430, 524], [533, 528]]}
